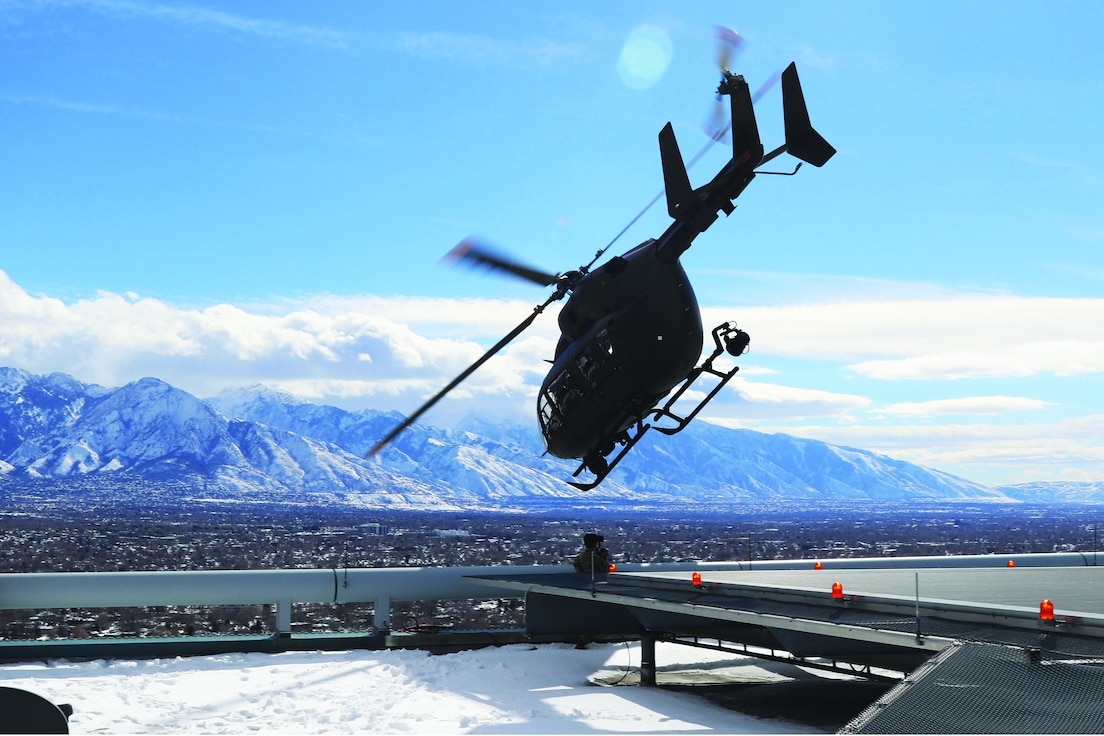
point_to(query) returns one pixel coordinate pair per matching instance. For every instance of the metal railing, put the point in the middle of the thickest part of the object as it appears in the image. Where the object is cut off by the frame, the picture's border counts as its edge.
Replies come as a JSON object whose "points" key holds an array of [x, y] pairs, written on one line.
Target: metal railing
{"points": [[381, 586]]}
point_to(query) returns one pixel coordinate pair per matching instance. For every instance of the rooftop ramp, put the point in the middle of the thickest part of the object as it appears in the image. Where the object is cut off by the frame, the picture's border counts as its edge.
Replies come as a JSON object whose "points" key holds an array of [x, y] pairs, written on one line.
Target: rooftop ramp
{"points": [[973, 652]]}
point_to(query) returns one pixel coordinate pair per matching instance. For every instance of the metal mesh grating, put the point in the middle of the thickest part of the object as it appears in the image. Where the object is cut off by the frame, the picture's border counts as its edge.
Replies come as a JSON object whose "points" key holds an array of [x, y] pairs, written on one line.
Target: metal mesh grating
{"points": [[990, 688]]}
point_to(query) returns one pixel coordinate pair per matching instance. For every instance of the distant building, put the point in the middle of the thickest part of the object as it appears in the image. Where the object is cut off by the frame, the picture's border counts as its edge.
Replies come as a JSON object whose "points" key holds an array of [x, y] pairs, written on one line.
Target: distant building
{"points": [[374, 527]]}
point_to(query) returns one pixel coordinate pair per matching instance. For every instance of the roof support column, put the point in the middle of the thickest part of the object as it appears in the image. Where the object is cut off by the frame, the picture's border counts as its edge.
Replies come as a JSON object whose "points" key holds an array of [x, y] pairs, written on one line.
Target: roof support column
{"points": [[648, 660]]}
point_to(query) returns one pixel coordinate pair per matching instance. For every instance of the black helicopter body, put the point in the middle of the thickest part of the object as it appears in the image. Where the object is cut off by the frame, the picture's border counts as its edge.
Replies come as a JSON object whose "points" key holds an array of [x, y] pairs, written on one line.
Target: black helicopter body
{"points": [[631, 329], [630, 332]]}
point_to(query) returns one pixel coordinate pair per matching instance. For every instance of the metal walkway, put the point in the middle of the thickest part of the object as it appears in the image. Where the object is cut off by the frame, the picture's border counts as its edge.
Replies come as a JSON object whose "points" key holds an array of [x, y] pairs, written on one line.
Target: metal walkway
{"points": [[973, 687], [978, 656]]}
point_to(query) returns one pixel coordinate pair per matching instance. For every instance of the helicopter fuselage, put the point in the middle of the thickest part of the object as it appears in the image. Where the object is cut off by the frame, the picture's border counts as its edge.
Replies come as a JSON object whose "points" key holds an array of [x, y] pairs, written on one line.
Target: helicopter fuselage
{"points": [[631, 331]]}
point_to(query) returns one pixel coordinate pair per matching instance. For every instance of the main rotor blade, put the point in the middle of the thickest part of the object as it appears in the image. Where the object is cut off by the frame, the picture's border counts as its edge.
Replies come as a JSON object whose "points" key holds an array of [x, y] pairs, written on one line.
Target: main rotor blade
{"points": [[470, 369], [470, 251], [729, 43]]}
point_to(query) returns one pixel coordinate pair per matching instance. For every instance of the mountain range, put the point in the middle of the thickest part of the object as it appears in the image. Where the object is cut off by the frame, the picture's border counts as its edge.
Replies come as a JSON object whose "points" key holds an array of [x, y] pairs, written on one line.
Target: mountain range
{"points": [[148, 439]]}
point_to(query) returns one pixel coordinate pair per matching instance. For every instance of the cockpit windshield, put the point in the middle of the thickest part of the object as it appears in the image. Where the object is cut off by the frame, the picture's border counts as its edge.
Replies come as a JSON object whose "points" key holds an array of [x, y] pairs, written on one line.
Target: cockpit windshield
{"points": [[580, 377]]}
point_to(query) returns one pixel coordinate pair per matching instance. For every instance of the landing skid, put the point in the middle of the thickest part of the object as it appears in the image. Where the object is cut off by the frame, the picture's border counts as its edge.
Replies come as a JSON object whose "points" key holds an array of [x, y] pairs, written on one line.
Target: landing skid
{"points": [[726, 333], [726, 337], [627, 440]]}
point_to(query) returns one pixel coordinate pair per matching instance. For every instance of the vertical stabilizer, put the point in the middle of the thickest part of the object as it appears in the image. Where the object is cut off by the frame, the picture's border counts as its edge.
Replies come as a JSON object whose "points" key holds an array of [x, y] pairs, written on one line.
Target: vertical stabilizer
{"points": [[746, 146], [801, 140], [675, 178]]}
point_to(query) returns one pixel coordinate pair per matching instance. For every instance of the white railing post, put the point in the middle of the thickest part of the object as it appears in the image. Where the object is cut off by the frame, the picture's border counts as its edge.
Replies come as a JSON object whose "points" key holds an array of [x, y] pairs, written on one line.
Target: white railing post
{"points": [[283, 616], [382, 613]]}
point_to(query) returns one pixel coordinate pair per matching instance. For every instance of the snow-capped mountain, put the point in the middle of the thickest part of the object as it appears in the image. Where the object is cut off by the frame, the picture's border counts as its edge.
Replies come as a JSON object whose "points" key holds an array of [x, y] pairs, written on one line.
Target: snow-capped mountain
{"points": [[1056, 492], [57, 427], [259, 445], [707, 462]]}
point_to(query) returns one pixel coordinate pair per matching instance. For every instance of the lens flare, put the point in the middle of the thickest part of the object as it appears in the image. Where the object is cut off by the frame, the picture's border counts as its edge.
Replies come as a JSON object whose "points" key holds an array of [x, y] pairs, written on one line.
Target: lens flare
{"points": [[644, 57]]}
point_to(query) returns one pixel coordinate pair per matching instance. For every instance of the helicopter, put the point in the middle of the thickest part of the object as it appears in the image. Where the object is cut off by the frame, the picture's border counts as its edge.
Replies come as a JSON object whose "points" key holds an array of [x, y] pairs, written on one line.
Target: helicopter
{"points": [[631, 330]]}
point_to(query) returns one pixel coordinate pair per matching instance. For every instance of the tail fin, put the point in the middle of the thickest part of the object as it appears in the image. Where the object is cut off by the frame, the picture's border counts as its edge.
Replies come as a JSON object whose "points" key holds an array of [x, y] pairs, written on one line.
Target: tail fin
{"points": [[675, 179], [747, 149], [801, 140]]}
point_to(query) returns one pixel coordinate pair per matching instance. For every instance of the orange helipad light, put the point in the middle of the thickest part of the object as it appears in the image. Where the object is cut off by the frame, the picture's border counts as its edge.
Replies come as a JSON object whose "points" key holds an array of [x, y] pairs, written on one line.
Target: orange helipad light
{"points": [[695, 579], [1011, 563], [1046, 610], [837, 590], [613, 567], [818, 566]]}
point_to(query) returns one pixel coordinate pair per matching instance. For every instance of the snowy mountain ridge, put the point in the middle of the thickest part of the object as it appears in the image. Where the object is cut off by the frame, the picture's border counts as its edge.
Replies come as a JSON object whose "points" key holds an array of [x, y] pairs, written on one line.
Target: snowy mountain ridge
{"points": [[256, 444]]}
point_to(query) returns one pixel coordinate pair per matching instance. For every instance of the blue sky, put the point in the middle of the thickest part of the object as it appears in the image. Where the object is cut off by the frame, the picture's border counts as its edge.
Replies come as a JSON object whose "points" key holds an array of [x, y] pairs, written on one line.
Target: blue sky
{"points": [[259, 192]]}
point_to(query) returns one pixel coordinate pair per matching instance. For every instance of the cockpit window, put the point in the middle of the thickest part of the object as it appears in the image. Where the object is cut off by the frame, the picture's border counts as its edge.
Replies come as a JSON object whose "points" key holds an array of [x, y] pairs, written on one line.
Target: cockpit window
{"points": [[579, 379]]}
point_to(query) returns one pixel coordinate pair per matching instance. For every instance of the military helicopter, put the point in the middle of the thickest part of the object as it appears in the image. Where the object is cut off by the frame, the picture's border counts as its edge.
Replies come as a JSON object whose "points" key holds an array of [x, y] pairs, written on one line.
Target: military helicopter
{"points": [[631, 330]]}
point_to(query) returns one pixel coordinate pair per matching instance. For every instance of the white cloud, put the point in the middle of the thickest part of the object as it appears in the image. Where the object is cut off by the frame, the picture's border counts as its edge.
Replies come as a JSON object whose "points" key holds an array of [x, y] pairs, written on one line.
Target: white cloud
{"points": [[470, 49], [357, 353], [1069, 449], [374, 342], [479, 50], [757, 370], [980, 405], [1059, 358], [935, 339], [147, 114], [200, 17], [744, 402], [917, 339]]}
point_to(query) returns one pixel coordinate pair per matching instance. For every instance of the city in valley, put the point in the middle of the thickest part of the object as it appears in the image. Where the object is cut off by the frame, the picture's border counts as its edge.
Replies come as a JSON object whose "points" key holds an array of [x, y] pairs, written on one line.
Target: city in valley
{"points": [[65, 538]]}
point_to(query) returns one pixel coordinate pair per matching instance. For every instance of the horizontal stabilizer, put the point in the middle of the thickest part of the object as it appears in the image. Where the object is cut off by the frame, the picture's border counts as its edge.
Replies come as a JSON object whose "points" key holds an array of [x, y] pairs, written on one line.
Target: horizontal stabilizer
{"points": [[675, 179], [801, 140]]}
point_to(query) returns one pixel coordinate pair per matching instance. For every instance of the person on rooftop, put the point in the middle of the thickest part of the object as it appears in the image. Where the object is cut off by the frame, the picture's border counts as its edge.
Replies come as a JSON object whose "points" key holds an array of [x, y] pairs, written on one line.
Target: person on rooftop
{"points": [[594, 557]]}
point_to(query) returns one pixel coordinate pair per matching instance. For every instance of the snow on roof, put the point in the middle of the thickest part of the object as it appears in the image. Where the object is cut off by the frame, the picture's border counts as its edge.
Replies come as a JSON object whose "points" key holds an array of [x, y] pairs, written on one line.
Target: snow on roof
{"points": [[511, 689]]}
